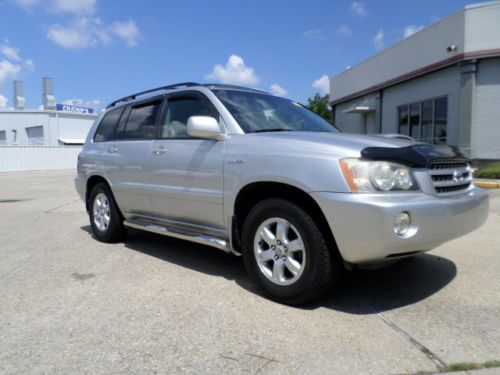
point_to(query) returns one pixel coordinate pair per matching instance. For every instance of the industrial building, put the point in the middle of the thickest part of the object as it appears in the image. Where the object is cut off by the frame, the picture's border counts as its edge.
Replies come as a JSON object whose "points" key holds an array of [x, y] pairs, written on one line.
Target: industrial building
{"points": [[54, 124], [439, 85]]}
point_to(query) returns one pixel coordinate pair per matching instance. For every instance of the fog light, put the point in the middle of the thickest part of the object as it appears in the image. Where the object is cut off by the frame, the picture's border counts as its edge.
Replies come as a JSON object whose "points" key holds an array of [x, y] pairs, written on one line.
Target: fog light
{"points": [[402, 223]]}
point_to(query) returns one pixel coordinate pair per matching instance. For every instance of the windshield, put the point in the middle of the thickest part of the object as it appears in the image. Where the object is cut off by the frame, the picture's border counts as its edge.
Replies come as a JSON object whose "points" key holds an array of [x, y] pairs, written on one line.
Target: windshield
{"points": [[257, 112]]}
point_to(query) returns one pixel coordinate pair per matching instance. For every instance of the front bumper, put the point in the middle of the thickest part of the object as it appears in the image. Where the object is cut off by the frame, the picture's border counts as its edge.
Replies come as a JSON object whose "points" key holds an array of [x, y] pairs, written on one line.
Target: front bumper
{"points": [[363, 224]]}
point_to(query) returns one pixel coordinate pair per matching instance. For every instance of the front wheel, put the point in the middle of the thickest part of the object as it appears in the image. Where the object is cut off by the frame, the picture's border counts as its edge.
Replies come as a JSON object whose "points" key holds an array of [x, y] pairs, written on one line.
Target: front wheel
{"points": [[285, 252], [105, 218]]}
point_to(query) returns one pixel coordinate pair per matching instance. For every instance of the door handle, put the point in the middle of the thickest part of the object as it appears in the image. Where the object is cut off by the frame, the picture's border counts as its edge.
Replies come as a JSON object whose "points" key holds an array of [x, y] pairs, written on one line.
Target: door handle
{"points": [[160, 150], [112, 149]]}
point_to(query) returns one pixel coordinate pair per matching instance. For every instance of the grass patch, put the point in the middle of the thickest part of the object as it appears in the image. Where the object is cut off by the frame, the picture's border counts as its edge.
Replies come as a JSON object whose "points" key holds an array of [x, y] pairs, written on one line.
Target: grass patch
{"points": [[464, 366], [491, 171], [491, 364], [461, 366], [427, 352]]}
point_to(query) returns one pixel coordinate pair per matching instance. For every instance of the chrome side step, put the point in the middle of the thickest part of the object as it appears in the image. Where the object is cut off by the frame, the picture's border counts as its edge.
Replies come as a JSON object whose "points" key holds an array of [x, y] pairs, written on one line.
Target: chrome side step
{"points": [[203, 239]]}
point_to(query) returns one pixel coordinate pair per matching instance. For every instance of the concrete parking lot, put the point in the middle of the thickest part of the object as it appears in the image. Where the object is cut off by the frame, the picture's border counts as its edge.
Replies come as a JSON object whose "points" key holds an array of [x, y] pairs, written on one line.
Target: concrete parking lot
{"points": [[69, 304]]}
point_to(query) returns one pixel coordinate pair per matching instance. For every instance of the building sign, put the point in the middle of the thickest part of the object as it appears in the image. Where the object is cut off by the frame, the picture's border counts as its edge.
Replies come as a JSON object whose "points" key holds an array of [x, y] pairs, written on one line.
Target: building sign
{"points": [[73, 108]]}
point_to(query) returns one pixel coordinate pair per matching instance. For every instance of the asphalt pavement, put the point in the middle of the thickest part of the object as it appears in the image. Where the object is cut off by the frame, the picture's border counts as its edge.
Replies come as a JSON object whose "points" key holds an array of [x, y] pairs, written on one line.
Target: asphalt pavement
{"points": [[70, 304]]}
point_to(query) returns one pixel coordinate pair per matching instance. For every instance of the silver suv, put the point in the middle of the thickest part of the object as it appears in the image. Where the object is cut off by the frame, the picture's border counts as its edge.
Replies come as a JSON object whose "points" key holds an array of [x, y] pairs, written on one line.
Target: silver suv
{"points": [[264, 177]]}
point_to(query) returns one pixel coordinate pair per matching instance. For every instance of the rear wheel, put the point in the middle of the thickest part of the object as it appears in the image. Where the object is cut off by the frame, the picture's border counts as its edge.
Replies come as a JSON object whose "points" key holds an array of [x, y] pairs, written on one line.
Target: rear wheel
{"points": [[105, 218], [285, 252]]}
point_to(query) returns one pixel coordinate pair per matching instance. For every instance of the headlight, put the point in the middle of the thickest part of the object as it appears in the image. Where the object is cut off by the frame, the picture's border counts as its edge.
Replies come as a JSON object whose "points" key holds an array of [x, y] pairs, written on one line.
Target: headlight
{"points": [[365, 176]]}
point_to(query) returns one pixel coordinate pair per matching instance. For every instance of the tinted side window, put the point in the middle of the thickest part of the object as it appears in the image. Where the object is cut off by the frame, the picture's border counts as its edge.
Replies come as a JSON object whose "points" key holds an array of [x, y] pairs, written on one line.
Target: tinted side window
{"points": [[179, 110], [141, 121], [106, 128]]}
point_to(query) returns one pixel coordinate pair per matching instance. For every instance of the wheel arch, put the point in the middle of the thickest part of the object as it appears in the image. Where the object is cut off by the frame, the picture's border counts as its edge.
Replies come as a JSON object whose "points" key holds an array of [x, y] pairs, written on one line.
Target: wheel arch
{"points": [[91, 182], [254, 192]]}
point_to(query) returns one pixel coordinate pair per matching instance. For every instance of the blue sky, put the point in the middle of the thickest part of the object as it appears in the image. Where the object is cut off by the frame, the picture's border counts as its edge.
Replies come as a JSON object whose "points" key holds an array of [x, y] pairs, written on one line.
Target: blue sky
{"points": [[99, 50]]}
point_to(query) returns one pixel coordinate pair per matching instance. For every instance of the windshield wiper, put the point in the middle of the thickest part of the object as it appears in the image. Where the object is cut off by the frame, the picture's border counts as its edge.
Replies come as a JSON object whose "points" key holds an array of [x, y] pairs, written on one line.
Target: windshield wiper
{"points": [[273, 130]]}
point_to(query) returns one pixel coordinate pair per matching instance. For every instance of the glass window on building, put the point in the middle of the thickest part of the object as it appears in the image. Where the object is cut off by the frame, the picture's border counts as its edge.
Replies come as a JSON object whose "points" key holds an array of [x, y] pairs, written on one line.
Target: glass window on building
{"points": [[403, 120], [426, 121], [440, 120], [3, 137], [427, 115], [415, 120], [35, 135]]}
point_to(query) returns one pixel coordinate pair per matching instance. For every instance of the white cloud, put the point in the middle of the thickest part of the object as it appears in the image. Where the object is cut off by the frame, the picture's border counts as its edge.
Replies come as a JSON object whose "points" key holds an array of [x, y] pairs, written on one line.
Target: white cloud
{"points": [[315, 34], [3, 101], [82, 27], [82, 33], [378, 40], [70, 37], [345, 30], [87, 32], [411, 29], [277, 90], [358, 8], [322, 84], [29, 65], [76, 7], [95, 103], [234, 72], [128, 31], [9, 52], [8, 70], [11, 65]]}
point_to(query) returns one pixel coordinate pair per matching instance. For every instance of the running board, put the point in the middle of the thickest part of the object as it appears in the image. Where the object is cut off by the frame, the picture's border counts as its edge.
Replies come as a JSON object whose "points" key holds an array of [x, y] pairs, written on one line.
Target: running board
{"points": [[203, 239]]}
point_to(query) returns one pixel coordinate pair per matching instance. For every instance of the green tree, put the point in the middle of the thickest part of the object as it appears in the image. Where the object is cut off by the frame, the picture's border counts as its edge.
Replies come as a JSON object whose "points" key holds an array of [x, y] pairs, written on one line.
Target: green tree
{"points": [[319, 104]]}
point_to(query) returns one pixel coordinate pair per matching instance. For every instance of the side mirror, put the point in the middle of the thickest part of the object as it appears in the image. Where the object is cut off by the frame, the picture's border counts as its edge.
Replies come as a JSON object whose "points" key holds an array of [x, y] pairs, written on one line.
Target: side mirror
{"points": [[203, 127]]}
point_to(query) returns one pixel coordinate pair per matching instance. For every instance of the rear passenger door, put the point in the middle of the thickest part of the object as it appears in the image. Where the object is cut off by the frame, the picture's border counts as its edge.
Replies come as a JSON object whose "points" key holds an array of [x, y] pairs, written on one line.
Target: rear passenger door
{"points": [[127, 157], [186, 172]]}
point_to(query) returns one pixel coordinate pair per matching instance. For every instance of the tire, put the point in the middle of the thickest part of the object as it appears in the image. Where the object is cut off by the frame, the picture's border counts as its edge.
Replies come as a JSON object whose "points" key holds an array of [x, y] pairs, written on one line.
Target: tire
{"points": [[288, 283], [106, 219]]}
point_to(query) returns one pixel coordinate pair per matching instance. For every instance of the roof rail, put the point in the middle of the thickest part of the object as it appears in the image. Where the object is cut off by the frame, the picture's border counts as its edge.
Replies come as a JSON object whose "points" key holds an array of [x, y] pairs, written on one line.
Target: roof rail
{"points": [[169, 87], [223, 85]]}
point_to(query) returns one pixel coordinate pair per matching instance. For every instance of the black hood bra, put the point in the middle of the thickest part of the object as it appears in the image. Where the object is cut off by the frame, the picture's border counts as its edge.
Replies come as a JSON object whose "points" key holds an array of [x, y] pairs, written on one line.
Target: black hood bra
{"points": [[418, 156]]}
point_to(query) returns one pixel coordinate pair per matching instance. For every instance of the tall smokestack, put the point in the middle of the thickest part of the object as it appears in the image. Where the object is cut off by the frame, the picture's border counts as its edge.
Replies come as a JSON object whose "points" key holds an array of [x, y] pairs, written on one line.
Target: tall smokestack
{"points": [[18, 95], [48, 99]]}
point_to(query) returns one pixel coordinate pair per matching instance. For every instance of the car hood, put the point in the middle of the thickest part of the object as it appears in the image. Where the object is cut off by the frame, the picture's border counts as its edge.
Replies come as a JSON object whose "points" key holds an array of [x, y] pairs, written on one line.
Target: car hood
{"points": [[320, 142]]}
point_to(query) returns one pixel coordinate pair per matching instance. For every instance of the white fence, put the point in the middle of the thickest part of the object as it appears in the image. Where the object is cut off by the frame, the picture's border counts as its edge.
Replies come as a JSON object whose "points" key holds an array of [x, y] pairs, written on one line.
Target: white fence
{"points": [[31, 158]]}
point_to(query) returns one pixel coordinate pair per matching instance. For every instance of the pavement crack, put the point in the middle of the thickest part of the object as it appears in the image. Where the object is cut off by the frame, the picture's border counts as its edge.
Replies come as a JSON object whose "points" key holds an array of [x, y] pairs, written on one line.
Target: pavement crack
{"points": [[433, 357], [13, 271], [413, 341], [267, 359], [260, 356], [264, 365], [82, 276], [228, 357], [62, 205]]}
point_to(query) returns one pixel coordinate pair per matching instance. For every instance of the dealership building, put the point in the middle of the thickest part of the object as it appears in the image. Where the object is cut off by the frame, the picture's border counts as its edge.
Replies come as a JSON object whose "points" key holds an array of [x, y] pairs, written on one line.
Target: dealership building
{"points": [[52, 125], [439, 85]]}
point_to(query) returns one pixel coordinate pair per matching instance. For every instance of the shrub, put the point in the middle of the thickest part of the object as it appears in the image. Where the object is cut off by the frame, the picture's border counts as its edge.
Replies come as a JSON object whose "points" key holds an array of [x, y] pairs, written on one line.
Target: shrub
{"points": [[491, 171]]}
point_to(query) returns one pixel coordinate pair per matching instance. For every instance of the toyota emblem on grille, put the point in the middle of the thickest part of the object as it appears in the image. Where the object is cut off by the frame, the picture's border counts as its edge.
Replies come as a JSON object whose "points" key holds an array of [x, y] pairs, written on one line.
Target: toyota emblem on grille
{"points": [[458, 176]]}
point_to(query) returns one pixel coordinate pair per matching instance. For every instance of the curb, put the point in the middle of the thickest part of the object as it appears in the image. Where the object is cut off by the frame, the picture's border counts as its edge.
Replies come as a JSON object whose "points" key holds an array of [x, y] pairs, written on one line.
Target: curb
{"points": [[488, 184]]}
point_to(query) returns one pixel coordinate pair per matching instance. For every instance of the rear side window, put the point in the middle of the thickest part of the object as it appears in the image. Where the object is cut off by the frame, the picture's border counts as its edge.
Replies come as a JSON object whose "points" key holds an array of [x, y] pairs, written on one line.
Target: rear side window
{"points": [[141, 122], [107, 126]]}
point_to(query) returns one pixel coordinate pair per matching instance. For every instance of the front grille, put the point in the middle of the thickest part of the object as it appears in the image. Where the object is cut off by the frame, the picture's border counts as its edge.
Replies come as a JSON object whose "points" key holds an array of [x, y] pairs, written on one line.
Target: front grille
{"points": [[449, 176]]}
